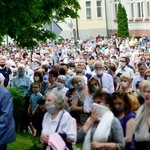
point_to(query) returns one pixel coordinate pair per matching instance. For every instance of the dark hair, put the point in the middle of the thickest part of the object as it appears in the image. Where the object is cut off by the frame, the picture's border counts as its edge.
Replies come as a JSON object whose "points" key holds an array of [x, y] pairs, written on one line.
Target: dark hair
{"points": [[40, 74], [89, 84], [141, 63], [107, 98], [63, 64], [112, 67], [125, 59], [36, 83], [125, 98], [54, 73]]}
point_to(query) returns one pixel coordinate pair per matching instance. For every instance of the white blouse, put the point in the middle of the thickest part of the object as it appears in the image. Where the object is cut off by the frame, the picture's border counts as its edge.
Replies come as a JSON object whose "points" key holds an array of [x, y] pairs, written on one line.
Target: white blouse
{"points": [[66, 126]]}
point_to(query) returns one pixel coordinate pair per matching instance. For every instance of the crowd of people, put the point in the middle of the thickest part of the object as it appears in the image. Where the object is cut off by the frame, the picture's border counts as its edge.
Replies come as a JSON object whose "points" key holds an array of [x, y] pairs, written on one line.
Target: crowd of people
{"points": [[93, 91]]}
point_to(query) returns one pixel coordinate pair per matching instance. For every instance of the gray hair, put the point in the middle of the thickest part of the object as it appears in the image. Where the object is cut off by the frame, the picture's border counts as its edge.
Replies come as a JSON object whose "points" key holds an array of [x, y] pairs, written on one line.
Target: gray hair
{"points": [[142, 63], [59, 101], [99, 62], [63, 78]]}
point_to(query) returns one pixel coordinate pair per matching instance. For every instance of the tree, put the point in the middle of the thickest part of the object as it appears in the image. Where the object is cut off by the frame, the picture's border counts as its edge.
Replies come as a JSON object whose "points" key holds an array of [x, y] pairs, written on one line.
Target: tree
{"points": [[23, 20], [122, 22]]}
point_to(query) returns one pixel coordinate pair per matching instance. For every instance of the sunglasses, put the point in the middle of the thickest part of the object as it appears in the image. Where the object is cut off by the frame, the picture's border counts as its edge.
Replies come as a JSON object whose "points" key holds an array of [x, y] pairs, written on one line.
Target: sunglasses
{"points": [[118, 94]]}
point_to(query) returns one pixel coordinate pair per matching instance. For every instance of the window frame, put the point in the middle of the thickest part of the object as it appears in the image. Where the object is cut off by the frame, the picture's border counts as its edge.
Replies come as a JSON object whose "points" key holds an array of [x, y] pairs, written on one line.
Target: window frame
{"points": [[88, 10]]}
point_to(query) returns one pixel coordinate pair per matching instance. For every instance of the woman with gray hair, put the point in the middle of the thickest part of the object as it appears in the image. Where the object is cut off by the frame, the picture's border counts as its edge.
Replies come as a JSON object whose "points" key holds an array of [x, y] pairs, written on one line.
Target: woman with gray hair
{"points": [[61, 82], [142, 120], [57, 119]]}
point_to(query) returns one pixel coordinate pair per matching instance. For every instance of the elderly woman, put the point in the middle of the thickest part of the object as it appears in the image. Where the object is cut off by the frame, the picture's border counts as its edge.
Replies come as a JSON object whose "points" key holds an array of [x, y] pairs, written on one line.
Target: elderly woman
{"points": [[102, 130], [58, 119], [21, 80], [125, 82], [60, 85], [142, 129], [79, 97]]}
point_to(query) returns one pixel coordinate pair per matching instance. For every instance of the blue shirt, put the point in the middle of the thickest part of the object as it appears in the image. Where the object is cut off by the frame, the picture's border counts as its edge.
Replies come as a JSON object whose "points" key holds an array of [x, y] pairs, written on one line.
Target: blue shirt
{"points": [[68, 82], [23, 83], [34, 98], [124, 121]]}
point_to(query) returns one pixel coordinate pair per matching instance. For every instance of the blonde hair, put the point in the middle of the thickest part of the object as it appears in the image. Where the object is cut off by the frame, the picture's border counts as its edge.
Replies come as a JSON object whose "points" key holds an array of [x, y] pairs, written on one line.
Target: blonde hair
{"points": [[146, 85], [125, 76], [134, 102], [78, 77], [147, 71]]}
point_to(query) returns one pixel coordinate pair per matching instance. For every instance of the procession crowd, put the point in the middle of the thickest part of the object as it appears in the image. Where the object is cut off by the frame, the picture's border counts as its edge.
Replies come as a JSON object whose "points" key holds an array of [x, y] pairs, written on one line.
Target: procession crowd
{"points": [[94, 91]]}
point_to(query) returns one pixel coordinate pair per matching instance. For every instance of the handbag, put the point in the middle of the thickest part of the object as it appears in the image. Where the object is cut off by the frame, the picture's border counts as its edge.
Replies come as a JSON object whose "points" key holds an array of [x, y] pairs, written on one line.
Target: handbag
{"points": [[55, 138]]}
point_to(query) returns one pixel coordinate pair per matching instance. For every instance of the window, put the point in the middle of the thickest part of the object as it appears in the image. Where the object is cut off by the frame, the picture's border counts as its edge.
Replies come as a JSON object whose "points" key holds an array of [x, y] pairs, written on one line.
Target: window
{"points": [[132, 7], [140, 9], [148, 9], [88, 10], [99, 8], [116, 7]]}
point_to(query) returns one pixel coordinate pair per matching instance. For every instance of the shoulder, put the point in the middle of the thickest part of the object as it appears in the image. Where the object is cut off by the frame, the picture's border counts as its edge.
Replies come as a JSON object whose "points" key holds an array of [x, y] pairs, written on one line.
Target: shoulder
{"points": [[26, 77], [116, 123], [130, 115], [107, 75], [65, 89], [4, 92], [3, 89], [39, 94], [67, 116], [15, 78], [44, 82], [128, 68]]}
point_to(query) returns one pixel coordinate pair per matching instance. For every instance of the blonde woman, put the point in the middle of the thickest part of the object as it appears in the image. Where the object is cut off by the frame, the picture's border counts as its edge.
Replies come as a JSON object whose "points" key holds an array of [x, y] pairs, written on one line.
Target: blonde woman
{"points": [[147, 75], [125, 82], [142, 129], [79, 97]]}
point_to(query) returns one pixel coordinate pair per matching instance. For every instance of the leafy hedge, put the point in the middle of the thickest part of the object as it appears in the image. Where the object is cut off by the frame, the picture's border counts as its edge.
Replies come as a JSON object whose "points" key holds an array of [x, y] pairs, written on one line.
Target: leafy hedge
{"points": [[18, 103]]}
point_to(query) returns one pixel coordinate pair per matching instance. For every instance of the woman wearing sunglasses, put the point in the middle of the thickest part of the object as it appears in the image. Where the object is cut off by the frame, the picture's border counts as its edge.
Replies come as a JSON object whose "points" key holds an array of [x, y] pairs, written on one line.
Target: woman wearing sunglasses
{"points": [[123, 111], [102, 130]]}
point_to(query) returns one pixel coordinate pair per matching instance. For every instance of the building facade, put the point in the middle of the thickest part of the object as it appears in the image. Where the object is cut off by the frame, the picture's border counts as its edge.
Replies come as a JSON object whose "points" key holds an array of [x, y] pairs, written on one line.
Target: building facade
{"points": [[91, 23], [138, 13], [98, 17]]}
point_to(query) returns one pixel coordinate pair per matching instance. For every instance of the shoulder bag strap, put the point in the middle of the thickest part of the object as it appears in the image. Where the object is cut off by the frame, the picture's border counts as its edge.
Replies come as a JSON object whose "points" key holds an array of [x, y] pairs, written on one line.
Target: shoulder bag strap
{"points": [[59, 121]]}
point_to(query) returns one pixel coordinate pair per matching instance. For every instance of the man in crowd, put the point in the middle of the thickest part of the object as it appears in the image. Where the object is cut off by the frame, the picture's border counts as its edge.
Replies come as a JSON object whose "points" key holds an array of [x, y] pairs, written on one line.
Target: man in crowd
{"points": [[7, 125]]}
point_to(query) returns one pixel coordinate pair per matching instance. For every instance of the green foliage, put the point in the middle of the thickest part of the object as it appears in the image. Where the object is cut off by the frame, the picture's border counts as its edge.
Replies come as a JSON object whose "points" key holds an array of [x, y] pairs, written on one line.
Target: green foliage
{"points": [[27, 141], [122, 22], [18, 103], [23, 20]]}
